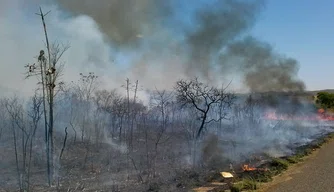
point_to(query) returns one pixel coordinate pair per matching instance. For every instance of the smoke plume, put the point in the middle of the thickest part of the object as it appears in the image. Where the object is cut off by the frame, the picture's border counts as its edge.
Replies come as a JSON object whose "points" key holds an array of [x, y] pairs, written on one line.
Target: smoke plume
{"points": [[155, 42], [123, 21], [263, 69], [214, 26], [217, 25]]}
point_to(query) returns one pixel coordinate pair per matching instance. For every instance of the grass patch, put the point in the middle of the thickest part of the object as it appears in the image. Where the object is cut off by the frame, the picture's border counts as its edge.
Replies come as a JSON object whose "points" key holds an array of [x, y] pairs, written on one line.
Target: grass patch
{"points": [[265, 177], [278, 166], [294, 159], [244, 184], [258, 176]]}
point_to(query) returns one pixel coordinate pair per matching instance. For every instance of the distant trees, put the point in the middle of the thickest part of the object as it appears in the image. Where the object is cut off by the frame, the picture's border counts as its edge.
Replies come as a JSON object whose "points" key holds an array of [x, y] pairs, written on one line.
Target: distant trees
{"points": [[325, 100]]}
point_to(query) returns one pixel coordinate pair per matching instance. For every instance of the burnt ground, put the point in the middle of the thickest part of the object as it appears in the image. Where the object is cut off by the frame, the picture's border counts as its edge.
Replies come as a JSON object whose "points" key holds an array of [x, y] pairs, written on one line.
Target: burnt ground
{"points": [[89, 166], [102, 167], [314, 175]]}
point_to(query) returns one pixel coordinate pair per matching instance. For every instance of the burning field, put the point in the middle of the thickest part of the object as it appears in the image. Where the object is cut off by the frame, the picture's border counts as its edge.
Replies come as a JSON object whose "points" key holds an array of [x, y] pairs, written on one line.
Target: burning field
{"points": [[177, 120], [254, 140]]}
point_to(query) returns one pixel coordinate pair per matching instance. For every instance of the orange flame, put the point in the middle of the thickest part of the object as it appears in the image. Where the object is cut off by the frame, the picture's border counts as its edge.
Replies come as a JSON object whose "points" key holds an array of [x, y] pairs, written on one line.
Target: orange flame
{"points": [[246, 167]]}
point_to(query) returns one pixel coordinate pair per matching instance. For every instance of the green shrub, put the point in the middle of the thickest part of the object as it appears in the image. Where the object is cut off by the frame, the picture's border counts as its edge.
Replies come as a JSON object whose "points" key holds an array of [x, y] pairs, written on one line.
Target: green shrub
{"points": [[294, 159], [279, 165], [236, 188], [264, 177], [249, 184], [245, 184]]}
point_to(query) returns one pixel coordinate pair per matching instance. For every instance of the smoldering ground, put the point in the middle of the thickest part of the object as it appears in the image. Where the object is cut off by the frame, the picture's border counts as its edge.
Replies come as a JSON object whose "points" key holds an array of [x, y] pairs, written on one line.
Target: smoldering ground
{"points": [[248, 131]]}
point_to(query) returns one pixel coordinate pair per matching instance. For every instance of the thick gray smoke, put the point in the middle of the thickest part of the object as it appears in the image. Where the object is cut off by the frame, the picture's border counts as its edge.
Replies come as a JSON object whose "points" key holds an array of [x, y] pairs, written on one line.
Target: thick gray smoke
{"points": [[212, 30], [263, 69], [123, 21], [154, 41], [216, 27]]}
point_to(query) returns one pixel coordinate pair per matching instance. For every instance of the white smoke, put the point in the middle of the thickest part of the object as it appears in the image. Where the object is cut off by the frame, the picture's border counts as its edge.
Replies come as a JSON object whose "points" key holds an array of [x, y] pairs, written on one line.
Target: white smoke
{"points": [[22, 38]]}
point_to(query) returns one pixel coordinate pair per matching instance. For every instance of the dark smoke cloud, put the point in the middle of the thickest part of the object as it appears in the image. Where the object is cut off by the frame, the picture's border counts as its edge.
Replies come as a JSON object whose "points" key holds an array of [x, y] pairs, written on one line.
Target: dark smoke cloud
{"points": [[123, 21], [218, 24], [156, 30], [263, 69]]}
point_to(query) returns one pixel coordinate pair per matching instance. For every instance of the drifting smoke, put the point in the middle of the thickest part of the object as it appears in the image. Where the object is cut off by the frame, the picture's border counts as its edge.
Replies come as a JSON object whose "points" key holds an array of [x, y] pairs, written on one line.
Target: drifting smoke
{"points": [[123, 21], [217, 26], [263, 69], [158, 42], [163, 41]]}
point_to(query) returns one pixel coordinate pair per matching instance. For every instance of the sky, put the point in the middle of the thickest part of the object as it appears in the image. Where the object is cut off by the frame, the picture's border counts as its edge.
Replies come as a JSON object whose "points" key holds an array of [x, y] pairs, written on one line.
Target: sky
{"points": [[302, 29]]}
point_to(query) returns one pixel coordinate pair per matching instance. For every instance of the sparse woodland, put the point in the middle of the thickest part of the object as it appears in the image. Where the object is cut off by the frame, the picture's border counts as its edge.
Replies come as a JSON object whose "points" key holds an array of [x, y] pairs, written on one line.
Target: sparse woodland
{"points": [[75, 136]]}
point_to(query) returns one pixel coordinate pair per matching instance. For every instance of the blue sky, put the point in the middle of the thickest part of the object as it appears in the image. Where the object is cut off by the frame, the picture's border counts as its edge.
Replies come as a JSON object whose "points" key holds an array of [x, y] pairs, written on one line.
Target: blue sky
{"points": [[303, 29]]}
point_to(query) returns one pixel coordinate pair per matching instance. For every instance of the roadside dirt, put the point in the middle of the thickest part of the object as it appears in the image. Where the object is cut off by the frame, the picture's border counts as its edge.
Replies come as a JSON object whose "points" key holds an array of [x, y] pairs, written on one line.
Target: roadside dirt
{"points": [[306, 175]]}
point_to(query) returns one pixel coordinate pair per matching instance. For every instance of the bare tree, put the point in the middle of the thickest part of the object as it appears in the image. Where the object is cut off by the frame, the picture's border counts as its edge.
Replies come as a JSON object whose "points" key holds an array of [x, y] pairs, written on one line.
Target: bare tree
{"points": [[49, 70], [23, 126], [113, 104], [104, 106], [73, 116], [3, 120], [35, 114], [132, 107], [120, 110], [161, 102], [15, 113], [203, 98], [84, 91]]}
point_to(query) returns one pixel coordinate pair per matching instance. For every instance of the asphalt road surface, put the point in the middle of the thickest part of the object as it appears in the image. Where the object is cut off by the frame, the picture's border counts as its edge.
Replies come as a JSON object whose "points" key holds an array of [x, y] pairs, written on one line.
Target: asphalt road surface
{"points": [[316, 174]]}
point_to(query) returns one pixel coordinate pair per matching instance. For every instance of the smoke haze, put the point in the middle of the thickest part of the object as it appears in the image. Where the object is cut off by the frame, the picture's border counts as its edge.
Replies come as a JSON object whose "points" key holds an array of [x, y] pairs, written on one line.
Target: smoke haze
{"points": [[156, 42]]}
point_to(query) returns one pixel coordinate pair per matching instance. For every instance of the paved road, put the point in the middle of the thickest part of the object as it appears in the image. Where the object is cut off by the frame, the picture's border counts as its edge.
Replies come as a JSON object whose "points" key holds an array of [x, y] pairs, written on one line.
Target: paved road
{"points": [[316, 174]]}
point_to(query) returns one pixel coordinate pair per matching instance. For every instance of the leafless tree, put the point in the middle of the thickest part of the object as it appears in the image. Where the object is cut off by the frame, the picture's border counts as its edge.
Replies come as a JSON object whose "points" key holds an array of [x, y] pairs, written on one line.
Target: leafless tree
{"points": [[161, 102], [104, 105], [15, 115], [35, 114], [3, 121], [84, 91], [23, 126], [73, 116], [49, 70], [115, 105], [203, 98]]}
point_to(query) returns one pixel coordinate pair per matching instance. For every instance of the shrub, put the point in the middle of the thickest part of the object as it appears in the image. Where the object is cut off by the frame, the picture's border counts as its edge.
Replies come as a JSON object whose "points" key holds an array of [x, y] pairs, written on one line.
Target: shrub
{"points": [[279, 165], [249, 184], [245, 184], [264, 177], [294, 159], [236, 188]]}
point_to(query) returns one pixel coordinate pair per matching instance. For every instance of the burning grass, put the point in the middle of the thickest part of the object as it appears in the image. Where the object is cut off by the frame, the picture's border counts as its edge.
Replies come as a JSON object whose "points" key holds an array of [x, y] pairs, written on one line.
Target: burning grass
{"points": [[249, 178], [261, 169]]}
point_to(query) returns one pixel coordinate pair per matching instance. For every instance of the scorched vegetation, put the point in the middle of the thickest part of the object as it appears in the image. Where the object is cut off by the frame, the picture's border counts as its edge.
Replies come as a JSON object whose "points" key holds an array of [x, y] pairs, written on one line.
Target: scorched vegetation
{"points": [[79, 136]]}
